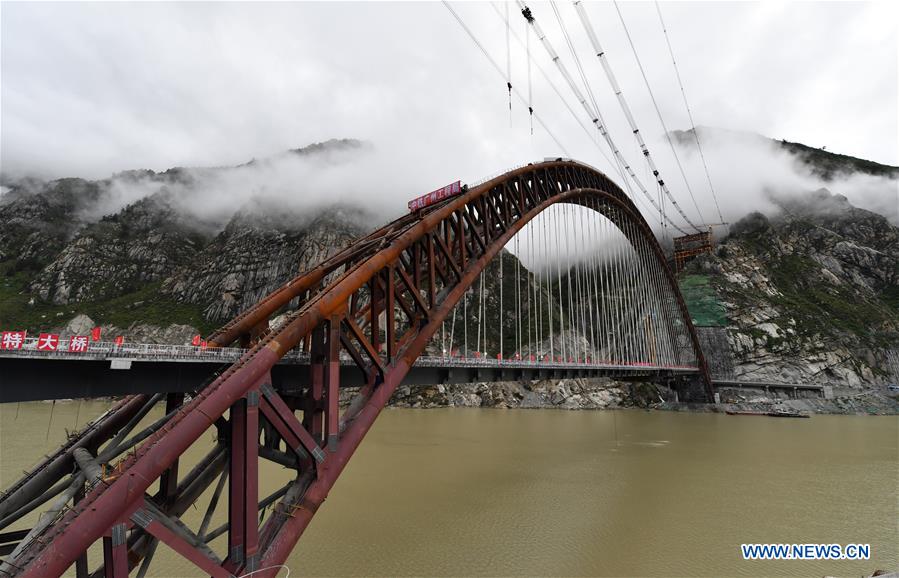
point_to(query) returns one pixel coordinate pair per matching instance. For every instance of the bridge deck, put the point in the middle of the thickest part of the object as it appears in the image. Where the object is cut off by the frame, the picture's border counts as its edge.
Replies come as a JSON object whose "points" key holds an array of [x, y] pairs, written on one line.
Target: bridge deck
{"points": [[30, 375]]}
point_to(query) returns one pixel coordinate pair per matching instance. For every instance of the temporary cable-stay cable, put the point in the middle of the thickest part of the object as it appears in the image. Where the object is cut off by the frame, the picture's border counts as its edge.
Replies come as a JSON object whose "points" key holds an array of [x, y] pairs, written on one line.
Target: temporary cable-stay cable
{"points": [[595, 116], [500, 71], [527, 49], [616, 166], [705, 166], [508, 66], [627, 112], [531, 62], [604, 61]]}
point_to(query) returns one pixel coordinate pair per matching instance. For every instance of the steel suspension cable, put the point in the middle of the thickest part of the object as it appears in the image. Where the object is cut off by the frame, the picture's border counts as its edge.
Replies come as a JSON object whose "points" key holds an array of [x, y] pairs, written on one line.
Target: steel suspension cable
{"points": [[578, 303], [662, 304], [500, 71], [621, 283], [566, 231], [587, 288], [530, 84], [477, 341], [643, 287], [452, 341], [640, 284], [608, 69], [584, 341], [628, 114], [518, 295], [500, 316], [508, 65], [549, 309], [527, 46], [614, 299], [465, 318], [680, 83], [585, 292], [599, 283], [624, 283], [595, 115], [558, 260], [652, 300], [529, 282], [483, 317]]}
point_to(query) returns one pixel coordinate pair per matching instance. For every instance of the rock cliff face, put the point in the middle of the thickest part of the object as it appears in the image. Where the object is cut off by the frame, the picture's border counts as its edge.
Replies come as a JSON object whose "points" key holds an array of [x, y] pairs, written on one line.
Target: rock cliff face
{"points": [[38, 219], [561, 394], [811, 294], [256, 253], [66, 249], [144, 243]]}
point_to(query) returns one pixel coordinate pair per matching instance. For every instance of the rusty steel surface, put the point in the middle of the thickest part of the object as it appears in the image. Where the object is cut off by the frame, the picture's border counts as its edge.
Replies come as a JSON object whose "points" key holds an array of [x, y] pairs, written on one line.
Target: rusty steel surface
{"points": [[378, 301]]}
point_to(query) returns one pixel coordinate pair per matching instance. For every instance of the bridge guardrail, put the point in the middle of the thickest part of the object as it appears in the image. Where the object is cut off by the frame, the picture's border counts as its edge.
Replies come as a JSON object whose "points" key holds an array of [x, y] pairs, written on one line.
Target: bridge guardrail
{"points": [[167, 352]]}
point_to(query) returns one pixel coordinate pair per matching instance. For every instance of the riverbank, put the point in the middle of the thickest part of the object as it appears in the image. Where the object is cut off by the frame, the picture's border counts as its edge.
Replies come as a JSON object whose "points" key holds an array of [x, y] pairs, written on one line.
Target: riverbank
{"points": [[867, 402], [601, 393]]}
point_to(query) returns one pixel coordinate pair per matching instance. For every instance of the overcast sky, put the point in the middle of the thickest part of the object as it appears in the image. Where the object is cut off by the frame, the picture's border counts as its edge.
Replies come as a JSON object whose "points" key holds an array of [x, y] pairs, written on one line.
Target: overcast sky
{"points": [[91, 89]]}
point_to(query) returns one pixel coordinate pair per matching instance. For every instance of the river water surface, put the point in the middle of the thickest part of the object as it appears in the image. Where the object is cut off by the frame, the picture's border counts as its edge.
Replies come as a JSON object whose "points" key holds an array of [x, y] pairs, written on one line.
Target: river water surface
{"points": [[498, 493]]}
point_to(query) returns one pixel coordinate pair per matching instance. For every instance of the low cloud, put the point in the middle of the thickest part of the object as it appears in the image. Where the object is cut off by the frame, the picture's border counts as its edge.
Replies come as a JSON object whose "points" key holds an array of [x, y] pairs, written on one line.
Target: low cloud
{"points": [[345, 172], [751, 173]]}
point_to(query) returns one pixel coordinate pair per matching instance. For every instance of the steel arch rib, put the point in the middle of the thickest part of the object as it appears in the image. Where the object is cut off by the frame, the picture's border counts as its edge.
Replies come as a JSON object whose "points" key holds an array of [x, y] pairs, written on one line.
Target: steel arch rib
{"points": [[108, 505]]}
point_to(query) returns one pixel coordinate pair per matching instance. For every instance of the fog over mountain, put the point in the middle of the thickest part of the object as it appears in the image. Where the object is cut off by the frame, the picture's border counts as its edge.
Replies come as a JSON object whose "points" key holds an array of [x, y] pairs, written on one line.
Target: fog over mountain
{"points": [[748, 172]]}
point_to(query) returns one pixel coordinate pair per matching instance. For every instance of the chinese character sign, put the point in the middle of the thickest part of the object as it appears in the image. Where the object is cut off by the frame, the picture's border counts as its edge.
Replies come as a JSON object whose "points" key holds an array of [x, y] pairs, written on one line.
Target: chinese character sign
{"points": [[435, 196], [78, 343], [12, 339], [47, 342]]}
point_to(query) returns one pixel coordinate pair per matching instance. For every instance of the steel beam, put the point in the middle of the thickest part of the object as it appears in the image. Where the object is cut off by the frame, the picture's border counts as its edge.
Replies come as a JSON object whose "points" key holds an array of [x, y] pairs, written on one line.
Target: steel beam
{"points": [[366, 266], [243, 483]]}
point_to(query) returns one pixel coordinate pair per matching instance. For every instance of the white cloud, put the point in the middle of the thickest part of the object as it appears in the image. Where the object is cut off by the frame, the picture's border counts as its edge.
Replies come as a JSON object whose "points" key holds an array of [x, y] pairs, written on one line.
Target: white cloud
{"points": [[90, 89]]}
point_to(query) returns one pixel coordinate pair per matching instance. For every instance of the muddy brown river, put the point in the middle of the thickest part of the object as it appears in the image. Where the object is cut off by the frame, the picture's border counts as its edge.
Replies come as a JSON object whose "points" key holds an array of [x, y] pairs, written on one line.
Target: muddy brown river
{"points": [[471, 492]]}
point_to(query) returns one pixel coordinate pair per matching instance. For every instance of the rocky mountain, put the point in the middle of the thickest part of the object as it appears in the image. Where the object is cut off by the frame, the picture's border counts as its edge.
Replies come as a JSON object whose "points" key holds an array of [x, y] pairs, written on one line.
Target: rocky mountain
{"points": [[144, 243], [67, 248], [810, 294], [257, 252]]}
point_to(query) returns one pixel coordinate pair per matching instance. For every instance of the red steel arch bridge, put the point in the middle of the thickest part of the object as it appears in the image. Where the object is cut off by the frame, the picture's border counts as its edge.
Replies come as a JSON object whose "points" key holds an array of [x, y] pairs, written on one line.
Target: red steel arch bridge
{"points": [[588, 293]]}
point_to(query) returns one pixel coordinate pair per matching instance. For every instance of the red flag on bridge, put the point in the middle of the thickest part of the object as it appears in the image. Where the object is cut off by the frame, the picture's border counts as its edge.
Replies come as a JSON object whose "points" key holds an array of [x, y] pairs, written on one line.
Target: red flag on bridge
{"points": [[95, 333], [196, 340], [119, 340]]}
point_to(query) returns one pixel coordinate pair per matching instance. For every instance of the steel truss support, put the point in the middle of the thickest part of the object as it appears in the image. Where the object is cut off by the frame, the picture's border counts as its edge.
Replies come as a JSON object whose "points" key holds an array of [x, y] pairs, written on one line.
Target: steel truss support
{"points": [[243, 483], [379, 302]]}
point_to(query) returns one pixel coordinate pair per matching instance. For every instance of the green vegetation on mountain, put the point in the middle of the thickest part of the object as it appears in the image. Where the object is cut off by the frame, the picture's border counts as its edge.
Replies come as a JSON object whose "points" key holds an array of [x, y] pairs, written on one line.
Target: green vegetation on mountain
{"points": [[827, 164], [146, 305]]}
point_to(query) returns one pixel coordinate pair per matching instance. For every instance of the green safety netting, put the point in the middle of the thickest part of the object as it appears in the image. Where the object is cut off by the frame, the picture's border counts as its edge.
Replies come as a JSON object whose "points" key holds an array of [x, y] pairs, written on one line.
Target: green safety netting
{"points": [[703, 304]]}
